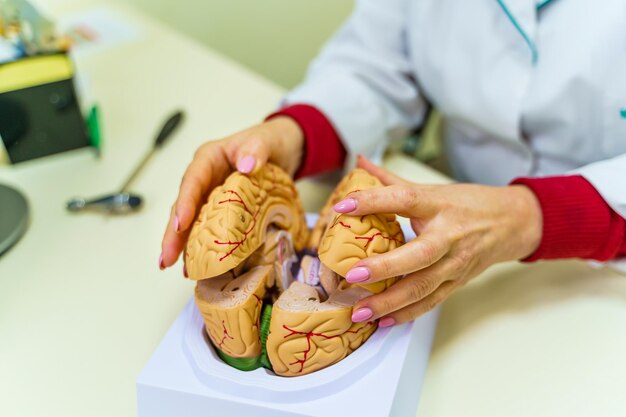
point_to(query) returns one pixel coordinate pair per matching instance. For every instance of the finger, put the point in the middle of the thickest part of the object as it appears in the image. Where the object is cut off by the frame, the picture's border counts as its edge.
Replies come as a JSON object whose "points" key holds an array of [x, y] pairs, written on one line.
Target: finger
{"points": [[251, 156], [208, 168], [417, 254], [404, 200], [173, 243], [413, 311], [409, 290], [386, 177]]}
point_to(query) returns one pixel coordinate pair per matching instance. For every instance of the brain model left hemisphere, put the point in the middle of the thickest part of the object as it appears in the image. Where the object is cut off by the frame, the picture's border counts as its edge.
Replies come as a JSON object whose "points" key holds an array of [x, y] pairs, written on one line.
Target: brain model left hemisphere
{"points": [[271, 292]]}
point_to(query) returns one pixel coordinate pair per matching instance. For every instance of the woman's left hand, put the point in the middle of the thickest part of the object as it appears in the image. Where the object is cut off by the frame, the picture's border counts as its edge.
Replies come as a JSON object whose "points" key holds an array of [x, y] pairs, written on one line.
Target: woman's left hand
{"points": [[461, 230]]}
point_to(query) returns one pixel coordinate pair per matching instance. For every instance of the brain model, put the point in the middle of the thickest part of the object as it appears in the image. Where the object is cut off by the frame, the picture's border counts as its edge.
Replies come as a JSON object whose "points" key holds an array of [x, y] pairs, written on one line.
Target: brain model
{"points": [[273, 294]]}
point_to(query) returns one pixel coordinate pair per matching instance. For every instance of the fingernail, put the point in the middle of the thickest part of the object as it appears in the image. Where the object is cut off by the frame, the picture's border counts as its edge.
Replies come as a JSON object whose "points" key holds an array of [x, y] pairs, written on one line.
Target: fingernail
{"points": [[359, 274], [386, 322], [346, 206], [362, 314], [185, 271], [161, 266], [246, 164], [176, 223]]}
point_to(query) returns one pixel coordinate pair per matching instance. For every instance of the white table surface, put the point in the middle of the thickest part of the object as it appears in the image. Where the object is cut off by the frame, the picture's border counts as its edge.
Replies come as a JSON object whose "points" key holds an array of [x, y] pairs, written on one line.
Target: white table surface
{"points": [[83, 304]]}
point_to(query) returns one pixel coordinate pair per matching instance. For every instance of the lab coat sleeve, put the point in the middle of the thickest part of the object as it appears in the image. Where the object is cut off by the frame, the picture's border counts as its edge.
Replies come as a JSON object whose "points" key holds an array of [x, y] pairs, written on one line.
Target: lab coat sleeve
{"points": [[609, 178], [362, 79]]}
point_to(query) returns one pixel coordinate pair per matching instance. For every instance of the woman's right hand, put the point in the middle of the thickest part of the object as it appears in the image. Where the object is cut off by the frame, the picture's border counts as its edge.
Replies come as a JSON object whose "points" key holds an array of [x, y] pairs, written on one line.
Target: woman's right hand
{"points": [[278, 140]]}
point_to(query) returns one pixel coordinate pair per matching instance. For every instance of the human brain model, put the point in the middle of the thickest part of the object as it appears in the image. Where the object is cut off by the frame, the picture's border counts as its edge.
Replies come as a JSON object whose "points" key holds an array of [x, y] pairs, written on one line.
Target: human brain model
{"points": [[273, 294]]}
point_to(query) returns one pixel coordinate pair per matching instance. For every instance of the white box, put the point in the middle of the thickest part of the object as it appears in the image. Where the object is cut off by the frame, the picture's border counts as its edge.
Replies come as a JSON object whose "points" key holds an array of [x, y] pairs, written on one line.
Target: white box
{"points": [[185, 377]]}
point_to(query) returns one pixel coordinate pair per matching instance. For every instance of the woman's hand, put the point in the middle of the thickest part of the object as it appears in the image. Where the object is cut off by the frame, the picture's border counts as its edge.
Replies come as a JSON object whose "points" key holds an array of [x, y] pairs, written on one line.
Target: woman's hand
{"points": [[461, 230], [278, 140]]}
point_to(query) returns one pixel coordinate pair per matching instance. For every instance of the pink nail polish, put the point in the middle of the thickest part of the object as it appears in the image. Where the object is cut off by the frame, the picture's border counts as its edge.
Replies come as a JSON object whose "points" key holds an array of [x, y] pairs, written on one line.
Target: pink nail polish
{"points": [[386, 322], [161, 266], [358, 274], [185, 271], [246, 164], [345, 206], [176, 223], [362, 314]]}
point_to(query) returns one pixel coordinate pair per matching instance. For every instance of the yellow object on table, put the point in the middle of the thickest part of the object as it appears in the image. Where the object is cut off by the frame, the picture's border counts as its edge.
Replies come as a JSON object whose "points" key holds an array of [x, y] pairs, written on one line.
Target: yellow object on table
{"points": [[34, 71]]}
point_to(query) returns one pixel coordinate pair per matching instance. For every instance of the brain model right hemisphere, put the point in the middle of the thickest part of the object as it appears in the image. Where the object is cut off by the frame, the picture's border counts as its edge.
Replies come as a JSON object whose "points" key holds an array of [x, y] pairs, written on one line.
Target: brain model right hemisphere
{"points": [[271, 292]]}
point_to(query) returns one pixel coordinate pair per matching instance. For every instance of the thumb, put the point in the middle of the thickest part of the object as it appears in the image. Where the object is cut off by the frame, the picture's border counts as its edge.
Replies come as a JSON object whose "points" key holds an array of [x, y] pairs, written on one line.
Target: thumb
{"points": [[251, 155]]}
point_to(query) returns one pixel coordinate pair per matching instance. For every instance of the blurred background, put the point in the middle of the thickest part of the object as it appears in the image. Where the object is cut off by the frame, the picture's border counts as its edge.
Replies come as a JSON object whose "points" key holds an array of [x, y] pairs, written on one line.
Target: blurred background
{"points": [[249, 31], [87, 74]]}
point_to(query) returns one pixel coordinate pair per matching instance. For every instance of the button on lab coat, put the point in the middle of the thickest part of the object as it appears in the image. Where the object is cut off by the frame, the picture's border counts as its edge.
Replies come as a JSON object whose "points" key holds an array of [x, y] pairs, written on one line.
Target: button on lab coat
{"points": [[525, 88]]}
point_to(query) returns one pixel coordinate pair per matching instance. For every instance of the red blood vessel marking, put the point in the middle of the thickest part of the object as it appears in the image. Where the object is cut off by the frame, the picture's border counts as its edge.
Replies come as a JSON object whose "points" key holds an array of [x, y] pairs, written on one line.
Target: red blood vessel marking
{"points": [[308, 336], [370, 238], [369, 323], [232, 200], [225, 336], [237, 243], [337, 221]]}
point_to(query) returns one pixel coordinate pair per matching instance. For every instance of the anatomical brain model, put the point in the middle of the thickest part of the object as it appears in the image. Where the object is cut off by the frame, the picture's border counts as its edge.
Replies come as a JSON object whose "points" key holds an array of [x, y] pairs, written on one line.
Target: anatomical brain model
{"points": [[271, 292]]}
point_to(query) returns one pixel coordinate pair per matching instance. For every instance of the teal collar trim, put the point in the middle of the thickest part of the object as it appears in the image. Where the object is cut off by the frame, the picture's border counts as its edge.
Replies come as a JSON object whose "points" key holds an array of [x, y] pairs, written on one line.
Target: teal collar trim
{"points": [[522, 32], [531, 44], [543, 4]]}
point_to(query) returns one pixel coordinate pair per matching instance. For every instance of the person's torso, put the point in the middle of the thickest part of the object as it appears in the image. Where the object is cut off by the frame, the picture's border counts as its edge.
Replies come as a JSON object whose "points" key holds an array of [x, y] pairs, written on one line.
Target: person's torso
{"points": [[525, 90]]}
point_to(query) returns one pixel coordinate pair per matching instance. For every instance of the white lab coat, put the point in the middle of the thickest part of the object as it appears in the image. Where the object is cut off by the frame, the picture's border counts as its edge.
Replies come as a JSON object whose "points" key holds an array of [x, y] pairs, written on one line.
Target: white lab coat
{"points": [[525, 89]]}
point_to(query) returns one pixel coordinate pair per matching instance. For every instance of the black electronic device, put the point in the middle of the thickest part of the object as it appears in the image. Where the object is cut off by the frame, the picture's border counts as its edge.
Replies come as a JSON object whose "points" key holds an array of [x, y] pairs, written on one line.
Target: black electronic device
{"points": [[39, 109]]}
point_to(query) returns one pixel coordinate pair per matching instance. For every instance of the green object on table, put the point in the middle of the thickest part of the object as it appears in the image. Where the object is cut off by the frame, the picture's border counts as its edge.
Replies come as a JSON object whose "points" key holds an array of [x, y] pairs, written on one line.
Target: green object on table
{"points": [[250, 364], [93, 125]]}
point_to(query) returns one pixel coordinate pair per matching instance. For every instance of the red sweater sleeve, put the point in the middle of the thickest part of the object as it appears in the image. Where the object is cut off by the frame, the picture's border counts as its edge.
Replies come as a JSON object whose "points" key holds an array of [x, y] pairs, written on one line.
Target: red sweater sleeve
{"points": [[323, 150], [577, 222]]}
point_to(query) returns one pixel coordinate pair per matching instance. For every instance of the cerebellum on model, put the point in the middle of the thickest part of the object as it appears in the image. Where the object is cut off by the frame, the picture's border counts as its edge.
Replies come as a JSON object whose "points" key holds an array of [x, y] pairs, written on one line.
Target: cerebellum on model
{"points": [[271, 292]]}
